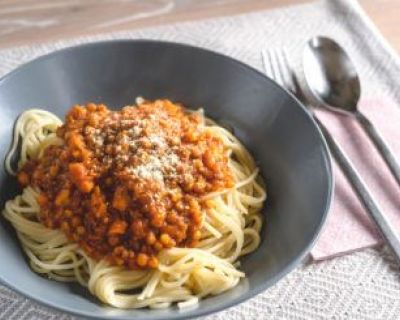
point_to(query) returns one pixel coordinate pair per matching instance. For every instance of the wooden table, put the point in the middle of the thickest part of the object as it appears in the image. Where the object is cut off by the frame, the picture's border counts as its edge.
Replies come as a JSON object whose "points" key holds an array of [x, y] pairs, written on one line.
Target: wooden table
{"points": [[34, 21]]}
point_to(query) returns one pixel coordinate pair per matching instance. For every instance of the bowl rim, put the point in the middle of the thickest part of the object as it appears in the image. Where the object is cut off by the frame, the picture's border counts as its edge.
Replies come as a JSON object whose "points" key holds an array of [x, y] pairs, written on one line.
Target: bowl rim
{"points": [[197, 312]]}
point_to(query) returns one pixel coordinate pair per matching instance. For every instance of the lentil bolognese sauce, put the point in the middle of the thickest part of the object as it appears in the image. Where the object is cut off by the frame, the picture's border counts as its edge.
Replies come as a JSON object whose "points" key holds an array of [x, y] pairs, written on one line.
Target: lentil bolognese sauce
{"points": [[129, 183], [152, 198]]}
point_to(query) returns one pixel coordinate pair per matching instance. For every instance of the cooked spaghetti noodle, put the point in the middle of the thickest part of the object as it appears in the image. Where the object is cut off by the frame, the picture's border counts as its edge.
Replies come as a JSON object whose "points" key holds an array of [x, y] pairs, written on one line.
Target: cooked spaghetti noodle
{"points": [[202, 264]]}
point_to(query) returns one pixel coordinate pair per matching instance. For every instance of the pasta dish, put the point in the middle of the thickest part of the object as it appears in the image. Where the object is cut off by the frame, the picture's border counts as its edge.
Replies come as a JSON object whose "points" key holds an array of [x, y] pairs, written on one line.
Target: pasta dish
{"points": [[147, 206]]}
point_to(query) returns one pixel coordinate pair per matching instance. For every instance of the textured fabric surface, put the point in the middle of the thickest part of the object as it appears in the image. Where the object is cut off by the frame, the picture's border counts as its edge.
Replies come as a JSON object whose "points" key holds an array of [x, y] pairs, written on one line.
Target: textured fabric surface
{"points": [[362, 285]]}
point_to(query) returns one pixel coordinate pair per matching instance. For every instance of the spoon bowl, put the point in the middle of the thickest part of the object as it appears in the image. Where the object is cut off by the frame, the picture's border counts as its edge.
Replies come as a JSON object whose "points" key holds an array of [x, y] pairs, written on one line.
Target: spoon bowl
{"points": [[331, 75]]}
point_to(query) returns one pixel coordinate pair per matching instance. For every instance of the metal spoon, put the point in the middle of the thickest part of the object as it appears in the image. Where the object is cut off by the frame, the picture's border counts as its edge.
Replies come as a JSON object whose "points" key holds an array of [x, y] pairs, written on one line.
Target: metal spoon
{"points": [[333, 80]]}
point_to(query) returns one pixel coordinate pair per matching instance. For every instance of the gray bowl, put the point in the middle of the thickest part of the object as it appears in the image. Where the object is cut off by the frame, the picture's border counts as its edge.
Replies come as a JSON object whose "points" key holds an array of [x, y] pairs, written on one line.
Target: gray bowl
{"points": [[284, 140]]}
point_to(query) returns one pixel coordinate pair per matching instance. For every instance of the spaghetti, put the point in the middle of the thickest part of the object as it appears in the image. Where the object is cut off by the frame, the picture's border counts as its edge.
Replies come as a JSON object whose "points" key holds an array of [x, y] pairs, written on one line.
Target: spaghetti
{"points": [[195, 261]]}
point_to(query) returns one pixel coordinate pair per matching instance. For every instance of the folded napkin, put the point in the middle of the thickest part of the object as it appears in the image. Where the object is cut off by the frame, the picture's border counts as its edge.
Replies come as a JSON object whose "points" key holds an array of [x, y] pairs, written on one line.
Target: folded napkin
{"points": [[349, 227]]}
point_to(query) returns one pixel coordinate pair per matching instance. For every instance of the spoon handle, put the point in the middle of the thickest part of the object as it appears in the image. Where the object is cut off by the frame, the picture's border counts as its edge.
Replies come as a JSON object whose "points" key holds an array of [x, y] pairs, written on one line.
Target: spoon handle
{"points": [[387, 231], [381, 145]]}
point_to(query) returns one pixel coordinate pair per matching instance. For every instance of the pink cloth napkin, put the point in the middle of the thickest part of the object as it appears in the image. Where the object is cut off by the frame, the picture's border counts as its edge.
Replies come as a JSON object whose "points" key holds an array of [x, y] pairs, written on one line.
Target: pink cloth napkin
{"points": [[348, 227]]}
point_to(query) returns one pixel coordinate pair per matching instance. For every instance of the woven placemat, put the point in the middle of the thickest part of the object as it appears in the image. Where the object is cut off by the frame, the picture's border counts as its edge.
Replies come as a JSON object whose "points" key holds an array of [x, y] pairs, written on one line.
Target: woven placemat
{"points": [[362, 285]]}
